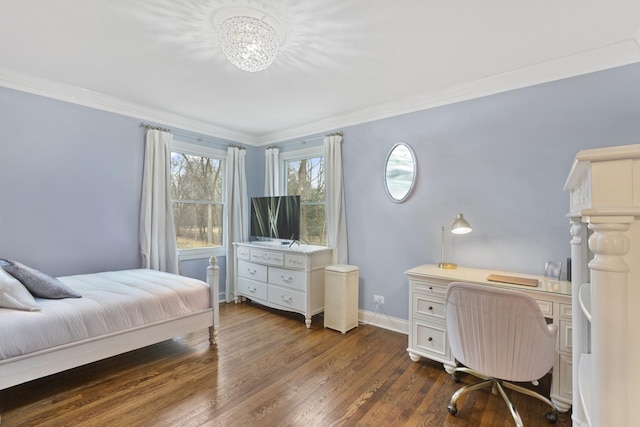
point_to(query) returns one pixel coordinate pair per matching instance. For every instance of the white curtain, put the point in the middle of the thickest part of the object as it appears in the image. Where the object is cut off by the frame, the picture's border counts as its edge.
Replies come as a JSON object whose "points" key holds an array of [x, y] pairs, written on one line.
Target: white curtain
{"points": [[271, 172], [334, 193], [157, 230], [237, 212]]}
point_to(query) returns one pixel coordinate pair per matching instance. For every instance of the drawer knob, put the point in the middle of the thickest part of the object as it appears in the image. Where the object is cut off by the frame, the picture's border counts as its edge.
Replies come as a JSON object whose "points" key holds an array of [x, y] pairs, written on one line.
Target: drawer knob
{"points": [[429, 339], [251, 272], [430, 288], [285, 299], [253, 290], [286, 279], [430, 308]]}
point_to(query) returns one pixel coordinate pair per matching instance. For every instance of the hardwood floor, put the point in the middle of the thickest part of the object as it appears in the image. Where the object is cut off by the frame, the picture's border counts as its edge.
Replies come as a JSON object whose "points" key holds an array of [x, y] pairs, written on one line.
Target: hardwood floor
{"points": [[267, 370]]}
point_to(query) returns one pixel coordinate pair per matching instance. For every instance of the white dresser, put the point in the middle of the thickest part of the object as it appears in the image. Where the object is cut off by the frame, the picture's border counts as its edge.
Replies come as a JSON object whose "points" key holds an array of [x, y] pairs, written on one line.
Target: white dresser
{"points": [[604, 186], [428, 329], [281, 277]]}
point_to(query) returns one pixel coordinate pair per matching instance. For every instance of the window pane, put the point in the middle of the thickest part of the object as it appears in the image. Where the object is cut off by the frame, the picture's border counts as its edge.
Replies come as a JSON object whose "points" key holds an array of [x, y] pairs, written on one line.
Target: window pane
{"points": [[313, 225], [195, 177], [306, 178], [198, 225]]}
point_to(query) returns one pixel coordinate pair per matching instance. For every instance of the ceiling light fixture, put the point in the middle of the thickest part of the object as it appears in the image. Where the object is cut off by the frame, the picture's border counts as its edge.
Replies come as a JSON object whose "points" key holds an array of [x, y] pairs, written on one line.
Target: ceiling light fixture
{"points": [[249, 43]]}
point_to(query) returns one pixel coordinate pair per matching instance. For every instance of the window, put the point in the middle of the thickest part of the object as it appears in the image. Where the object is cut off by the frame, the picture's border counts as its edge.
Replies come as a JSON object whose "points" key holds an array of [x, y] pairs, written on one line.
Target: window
{"points": [[303, 173], [197, 191]]}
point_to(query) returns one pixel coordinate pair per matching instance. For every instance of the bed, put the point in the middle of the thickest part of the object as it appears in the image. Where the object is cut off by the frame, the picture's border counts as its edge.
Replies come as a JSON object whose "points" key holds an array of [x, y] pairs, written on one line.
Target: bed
{"points": [[118, 311]]}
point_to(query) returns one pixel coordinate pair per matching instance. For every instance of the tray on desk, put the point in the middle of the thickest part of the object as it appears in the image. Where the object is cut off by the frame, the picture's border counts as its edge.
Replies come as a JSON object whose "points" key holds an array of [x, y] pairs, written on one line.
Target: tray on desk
{"points": [[513, 280]]}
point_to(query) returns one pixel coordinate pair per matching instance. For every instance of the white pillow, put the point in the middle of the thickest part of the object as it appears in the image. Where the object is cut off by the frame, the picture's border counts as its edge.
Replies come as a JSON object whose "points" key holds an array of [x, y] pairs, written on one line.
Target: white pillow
{"points": [[13, 294]]}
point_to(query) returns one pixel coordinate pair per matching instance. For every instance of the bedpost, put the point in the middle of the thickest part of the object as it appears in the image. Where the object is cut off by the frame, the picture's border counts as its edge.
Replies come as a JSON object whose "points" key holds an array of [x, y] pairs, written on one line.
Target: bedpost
{"points": [[213, 279]]}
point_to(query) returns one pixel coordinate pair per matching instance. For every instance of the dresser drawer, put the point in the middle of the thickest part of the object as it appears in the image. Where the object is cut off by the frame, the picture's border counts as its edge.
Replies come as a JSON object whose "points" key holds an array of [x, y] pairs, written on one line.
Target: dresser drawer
{"points": [[267, 257], [252, 289], [287, 297], [252, 271], [290, 278], [428, 305], [432, 339], [294, 261], [242, 253]]}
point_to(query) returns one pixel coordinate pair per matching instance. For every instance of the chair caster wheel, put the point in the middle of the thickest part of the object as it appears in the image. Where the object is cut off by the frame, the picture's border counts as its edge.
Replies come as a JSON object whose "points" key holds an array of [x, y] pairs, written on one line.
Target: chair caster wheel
{"points": [[552, 417], [453, 410]]}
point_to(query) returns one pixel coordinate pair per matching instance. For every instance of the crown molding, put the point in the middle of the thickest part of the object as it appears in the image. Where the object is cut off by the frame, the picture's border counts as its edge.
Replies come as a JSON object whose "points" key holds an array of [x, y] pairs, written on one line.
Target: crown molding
{"points": [[614, 55], [13, 79], [611, 56]]}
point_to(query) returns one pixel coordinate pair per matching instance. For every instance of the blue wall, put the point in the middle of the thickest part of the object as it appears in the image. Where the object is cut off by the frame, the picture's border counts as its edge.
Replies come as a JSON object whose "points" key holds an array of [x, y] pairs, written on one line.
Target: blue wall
{"points": [[71, 181], [502, 160], [71, 185]]}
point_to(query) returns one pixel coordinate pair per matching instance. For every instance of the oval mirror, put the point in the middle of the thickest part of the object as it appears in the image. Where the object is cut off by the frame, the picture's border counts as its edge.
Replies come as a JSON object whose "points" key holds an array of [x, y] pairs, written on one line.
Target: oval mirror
{"points": [[400, 172]]}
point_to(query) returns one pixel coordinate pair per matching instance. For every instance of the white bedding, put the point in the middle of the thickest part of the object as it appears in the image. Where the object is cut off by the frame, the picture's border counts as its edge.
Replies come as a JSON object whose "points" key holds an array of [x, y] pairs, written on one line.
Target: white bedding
{"points": [[111, 301]]}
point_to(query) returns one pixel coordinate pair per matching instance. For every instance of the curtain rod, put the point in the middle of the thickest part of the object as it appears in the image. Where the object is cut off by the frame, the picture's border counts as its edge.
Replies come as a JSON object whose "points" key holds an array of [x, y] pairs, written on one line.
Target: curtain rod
{"points": [[147, 126], [304, 141]]}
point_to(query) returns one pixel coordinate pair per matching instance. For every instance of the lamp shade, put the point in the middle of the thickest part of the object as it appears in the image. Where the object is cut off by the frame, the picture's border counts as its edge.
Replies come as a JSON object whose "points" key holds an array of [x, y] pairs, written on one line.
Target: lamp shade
{"points": [[460, 225]]}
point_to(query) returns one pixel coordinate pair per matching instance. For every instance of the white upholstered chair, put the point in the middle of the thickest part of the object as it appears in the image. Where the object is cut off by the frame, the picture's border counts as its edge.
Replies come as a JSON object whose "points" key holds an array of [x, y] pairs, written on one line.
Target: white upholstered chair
{"points": [[499, 335]]}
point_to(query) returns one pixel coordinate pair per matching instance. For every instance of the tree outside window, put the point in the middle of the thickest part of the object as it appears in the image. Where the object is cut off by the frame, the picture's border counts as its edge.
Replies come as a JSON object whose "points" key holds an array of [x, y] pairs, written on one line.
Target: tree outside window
{"points": [[197, 193], [305, 176]]}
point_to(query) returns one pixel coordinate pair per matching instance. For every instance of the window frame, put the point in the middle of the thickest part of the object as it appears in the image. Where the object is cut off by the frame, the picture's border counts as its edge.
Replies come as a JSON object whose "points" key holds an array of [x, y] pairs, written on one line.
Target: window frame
{"points": [[204, 151], [303, 153]]}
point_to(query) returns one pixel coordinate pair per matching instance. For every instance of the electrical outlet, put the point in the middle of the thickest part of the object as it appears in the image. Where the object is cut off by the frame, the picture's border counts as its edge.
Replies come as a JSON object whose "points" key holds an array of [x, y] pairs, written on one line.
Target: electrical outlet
{"points": [[378, 299]]}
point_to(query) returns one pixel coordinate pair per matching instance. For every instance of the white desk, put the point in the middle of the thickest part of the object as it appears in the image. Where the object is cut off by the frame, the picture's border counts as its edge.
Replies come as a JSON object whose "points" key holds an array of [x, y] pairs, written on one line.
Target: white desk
{"points": [[428, 330]]}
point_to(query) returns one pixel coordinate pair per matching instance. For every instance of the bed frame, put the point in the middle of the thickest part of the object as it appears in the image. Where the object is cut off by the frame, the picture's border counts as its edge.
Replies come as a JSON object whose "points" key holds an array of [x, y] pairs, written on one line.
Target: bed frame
{"points": [[20, 369]]}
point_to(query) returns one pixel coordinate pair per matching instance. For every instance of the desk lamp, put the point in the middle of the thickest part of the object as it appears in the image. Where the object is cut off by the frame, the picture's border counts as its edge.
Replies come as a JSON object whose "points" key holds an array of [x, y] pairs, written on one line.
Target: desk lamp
{"points": [[458, 226]]}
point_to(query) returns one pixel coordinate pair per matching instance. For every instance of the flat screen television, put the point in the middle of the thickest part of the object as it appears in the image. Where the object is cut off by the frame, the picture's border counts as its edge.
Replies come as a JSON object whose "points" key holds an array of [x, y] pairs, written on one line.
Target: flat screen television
{"points": [[276, 217]]}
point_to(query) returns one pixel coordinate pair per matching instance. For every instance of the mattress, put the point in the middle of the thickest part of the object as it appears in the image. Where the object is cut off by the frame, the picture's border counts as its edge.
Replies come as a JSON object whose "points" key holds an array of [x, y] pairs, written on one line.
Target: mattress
{"points": [[111, 301]]}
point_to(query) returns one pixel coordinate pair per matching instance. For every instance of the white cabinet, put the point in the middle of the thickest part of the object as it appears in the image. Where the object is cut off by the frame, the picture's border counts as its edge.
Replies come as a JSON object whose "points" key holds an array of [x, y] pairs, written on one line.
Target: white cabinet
{"points": [[604, 186], [341, 297], [281, 277], [428, 328]]}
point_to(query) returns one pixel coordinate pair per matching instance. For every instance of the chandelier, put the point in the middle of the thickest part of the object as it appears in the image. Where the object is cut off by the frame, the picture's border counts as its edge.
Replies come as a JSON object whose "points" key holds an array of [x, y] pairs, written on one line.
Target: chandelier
{"points": [[249, 43]]}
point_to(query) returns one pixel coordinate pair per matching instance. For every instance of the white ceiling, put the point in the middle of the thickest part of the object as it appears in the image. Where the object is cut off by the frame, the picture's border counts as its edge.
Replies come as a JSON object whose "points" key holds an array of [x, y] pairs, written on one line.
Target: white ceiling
{"points": [[341, 63]]}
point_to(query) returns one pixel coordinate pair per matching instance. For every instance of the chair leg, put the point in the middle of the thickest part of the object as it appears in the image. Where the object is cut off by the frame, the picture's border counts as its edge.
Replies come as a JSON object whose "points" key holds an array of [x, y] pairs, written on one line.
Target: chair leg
{"points": [[512, 408], [453, 408], [552, 416]]}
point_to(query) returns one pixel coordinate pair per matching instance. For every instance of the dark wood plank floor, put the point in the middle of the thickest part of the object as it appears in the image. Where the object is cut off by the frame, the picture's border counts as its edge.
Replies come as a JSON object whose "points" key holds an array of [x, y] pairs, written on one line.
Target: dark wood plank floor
{"points": [[267, 370]]}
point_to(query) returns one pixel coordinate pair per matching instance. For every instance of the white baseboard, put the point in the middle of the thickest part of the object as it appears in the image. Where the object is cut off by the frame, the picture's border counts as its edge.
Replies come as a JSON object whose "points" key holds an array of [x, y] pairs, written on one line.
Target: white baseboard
{"points": [[382, 320]]}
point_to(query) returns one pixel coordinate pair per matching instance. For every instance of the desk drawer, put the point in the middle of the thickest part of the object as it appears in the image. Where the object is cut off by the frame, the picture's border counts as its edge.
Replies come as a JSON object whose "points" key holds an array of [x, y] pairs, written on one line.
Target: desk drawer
{"points": [[431, 339], [565, 331], [428, 288], [427, 305], [252, 271], [546, 307]]}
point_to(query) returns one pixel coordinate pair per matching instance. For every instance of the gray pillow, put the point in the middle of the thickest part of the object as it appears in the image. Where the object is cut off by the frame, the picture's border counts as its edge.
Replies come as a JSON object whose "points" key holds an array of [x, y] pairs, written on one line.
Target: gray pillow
{"points": [[38, 283]]}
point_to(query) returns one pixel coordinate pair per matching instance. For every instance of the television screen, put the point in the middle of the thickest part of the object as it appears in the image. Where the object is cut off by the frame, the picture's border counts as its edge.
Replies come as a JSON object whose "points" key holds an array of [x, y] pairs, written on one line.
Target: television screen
{"points": [[276, 217]]}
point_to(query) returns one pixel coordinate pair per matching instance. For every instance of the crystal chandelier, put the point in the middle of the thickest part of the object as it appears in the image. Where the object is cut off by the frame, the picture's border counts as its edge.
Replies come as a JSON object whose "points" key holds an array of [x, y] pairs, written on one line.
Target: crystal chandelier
{"points": [[249, 43]]}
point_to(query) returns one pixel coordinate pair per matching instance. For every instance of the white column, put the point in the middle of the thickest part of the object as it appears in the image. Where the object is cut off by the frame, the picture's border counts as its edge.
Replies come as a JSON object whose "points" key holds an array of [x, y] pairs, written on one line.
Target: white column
{"points": [[580, 331], [609, 327]]}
